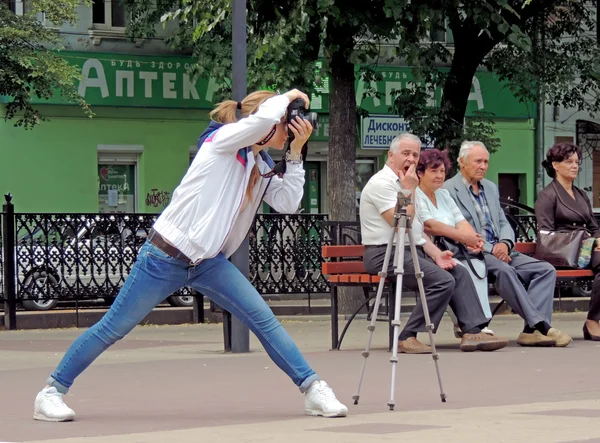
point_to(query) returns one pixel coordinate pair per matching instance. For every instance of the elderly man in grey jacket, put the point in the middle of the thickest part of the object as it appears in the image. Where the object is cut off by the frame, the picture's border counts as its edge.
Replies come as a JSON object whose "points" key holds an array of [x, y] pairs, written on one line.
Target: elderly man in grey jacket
{"points": [[479, 202]]}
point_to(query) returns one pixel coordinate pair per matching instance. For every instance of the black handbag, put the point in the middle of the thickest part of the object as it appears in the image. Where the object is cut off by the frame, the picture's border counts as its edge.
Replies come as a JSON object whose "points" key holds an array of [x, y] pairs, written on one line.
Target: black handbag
{"points": [[460, 252], [560, 248]]}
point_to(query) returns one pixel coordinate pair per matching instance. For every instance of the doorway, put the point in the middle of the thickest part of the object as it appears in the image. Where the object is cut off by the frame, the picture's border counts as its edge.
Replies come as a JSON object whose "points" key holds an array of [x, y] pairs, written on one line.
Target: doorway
{"points": [[311, 203], [508, 186]]}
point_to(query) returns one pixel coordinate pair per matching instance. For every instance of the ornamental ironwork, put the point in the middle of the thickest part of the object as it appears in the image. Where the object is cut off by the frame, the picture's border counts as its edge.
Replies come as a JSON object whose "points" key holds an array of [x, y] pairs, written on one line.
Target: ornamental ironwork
{"points": [[89, 256], [588, 137]]}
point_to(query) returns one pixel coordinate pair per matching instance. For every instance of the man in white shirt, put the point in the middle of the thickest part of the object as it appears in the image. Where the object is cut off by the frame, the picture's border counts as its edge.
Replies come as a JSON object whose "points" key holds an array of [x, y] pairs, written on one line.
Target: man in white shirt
{"points": [[445, 283]]}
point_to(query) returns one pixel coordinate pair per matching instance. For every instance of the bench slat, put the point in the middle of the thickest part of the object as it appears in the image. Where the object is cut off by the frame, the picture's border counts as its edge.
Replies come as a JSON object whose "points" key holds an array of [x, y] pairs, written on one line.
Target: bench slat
{"points": [[574, 273], [343, 251], [354, 278], [344, 267], [525, 247], [368, 278], [345, 278]]}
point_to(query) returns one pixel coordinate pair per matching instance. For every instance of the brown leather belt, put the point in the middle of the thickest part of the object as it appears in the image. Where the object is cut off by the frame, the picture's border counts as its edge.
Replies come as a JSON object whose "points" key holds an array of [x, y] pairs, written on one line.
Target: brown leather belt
{"points": [[157, 240]]}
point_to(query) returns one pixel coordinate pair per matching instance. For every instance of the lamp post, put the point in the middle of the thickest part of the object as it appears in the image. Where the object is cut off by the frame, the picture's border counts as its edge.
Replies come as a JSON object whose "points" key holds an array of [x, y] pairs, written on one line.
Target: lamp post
{"points": [[240, 336]]}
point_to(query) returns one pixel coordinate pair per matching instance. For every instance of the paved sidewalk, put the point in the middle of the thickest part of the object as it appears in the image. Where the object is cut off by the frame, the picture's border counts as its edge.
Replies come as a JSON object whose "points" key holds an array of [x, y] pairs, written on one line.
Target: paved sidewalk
{"points": [[174, 384]]}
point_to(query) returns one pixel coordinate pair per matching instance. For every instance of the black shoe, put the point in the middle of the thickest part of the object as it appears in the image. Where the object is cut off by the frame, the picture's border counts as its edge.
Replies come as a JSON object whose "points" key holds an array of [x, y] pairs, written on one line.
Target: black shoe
{"points": [[588, 336]]}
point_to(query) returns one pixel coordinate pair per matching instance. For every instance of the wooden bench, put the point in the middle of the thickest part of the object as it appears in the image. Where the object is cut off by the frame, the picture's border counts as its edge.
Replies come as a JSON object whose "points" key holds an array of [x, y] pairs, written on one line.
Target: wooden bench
{"points": [[562, 275], [344, 267]]}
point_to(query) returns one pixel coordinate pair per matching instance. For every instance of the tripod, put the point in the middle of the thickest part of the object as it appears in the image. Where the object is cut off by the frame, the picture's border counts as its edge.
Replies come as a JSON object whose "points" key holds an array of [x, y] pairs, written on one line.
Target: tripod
{"points": [[401, 221]]}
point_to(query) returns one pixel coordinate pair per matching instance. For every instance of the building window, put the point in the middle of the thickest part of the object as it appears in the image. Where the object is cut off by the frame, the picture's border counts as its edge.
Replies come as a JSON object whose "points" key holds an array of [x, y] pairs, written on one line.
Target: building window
{"points": [[441, 33], [364, 170], [118, 178], [15, 6], [109, 14], [595, 197]]}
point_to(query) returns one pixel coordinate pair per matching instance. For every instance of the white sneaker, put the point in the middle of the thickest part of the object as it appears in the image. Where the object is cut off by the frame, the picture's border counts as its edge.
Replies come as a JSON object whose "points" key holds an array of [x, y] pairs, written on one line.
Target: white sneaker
{"points": [[487, 331], [320, 400], [49, 406]]}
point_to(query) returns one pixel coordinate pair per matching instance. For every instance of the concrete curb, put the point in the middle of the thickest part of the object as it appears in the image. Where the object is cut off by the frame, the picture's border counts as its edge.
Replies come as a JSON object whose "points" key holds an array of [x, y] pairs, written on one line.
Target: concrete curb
{"points": [[284, 310]]}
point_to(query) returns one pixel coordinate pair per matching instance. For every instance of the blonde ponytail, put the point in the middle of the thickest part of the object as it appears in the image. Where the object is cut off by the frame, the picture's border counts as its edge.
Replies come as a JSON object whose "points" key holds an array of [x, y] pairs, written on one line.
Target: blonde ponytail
{"points": [[252, 181], [225, 112]]}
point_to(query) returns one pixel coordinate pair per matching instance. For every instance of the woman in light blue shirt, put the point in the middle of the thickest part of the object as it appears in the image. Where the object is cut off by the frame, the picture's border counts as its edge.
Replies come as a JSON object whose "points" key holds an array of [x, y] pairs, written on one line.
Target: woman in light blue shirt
{"points": [[442, 218]]}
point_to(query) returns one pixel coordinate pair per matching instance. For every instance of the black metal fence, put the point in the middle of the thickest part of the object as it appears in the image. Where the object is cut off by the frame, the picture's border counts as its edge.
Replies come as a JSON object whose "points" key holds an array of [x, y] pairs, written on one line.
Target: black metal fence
{"points": [[285, 254], [47, 258], [77, 257]]}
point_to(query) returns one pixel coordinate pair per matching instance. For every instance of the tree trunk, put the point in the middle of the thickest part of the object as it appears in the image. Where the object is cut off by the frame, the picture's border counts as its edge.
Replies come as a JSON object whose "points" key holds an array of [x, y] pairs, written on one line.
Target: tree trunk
{"points": [[455, 97], [470, 51], [341, 176], [342, 141]]}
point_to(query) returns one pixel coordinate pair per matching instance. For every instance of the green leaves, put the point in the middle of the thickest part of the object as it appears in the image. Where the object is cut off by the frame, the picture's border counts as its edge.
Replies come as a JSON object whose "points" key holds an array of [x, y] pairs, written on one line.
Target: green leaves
{"points": [[29, 68], [58, 11], [503, 27]]}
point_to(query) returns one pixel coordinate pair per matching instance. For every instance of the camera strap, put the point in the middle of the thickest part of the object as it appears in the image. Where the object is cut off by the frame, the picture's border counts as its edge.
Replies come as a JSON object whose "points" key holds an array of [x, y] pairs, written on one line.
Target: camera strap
{"points": [[269, 136], [281, 166]]}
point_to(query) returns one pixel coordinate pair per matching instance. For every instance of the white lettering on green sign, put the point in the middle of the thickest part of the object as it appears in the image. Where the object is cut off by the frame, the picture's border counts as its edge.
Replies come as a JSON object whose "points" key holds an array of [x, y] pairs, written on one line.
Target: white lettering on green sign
{"points": [[392, 86], [174, 84]]}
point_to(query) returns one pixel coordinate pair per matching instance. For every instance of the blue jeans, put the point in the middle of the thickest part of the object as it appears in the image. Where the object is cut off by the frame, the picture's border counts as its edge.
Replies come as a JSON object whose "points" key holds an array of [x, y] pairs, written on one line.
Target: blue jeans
{"points": [[154, 277]]}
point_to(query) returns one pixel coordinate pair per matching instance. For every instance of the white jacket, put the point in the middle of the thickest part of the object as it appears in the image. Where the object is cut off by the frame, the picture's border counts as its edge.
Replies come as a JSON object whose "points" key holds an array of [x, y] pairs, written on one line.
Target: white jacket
{"points": [[204, 215]]}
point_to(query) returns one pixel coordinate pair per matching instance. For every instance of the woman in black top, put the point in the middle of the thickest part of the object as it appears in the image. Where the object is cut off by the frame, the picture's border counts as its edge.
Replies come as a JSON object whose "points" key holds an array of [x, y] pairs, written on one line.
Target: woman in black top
{"points": [[561, 206]]}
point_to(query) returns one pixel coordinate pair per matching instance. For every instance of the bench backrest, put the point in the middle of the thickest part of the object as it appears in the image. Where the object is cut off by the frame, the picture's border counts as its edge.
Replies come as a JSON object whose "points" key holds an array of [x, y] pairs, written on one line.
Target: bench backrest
{"points": [[525, 248], [347, 259]]}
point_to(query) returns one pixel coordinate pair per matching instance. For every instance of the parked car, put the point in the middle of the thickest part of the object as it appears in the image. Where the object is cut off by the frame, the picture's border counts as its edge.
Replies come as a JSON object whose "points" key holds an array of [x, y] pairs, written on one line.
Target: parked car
{"points": [[86, 260]]}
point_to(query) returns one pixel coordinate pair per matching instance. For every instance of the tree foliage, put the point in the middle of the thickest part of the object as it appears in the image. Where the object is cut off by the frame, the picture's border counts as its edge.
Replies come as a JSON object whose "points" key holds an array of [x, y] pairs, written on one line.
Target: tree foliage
{"points": [[285, 38], [547, 44], [29, 63]]}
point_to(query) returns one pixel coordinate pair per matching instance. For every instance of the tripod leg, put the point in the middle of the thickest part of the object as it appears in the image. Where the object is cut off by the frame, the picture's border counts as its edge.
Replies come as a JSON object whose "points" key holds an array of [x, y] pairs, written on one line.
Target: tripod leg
{"points": [[399, 271], [429, 325], [371, 327]]}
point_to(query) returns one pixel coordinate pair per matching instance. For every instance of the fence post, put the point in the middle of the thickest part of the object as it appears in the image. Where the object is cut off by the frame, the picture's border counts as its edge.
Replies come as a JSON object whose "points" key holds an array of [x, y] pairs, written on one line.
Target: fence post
{"points": [[198, 307], [8, 245]]}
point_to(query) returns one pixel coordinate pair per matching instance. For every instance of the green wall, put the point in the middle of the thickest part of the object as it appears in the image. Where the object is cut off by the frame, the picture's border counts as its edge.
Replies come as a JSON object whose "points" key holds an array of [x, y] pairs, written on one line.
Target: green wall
{"points": [[53, 168], [515, 155]]}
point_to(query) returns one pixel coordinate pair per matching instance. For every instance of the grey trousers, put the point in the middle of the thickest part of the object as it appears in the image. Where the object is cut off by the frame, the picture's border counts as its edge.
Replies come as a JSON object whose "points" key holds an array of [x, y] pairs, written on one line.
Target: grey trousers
{"points": [[534, 304], [442, 288]]}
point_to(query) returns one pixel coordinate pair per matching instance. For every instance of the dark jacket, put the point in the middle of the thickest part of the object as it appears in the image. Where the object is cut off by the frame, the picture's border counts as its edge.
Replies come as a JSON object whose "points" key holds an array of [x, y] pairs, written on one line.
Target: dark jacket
{"points": [[555, 210]]}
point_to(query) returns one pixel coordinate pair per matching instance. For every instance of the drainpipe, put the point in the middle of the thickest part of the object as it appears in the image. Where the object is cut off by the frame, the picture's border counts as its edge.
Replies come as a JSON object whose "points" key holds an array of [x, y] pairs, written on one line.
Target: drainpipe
{"points": [[541, 115]]}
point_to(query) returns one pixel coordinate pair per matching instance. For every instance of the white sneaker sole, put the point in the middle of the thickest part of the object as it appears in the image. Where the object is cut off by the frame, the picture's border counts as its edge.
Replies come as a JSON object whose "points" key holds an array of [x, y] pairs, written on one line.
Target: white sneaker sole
{"points": [[41, 417], [319, 413]]}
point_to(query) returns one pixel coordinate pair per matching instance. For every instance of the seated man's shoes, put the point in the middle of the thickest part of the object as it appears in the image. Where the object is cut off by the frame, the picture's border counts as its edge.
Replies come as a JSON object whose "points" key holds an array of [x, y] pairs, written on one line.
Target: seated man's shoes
{"points": [[536, 338], [458, 333], [482, 342], [562, 339], [413, 346]]}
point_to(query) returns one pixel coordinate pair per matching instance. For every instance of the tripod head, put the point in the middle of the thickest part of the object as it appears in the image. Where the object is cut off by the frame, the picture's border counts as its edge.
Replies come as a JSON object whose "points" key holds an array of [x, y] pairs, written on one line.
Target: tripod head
{"points": [[402, 201]]}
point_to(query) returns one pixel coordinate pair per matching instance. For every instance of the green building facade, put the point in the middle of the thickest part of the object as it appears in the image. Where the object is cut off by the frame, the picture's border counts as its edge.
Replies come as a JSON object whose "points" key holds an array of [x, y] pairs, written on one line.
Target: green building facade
{"points": [[149, 114]]}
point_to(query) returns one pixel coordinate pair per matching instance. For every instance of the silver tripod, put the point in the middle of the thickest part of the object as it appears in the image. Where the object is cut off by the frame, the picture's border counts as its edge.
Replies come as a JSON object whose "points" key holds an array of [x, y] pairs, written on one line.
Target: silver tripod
{"points": [[401, 220]]}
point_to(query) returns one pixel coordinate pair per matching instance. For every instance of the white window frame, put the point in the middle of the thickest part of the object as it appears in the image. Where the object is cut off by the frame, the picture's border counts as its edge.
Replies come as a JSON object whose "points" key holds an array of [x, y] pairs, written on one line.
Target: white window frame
{"points": [[98, 31], [124, 155], [19, 6], [107, 19]]}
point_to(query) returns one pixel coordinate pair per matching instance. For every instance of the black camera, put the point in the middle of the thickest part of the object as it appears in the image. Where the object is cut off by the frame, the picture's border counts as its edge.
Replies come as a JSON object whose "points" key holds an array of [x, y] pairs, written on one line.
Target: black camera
{"points": [[297, 108]]}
